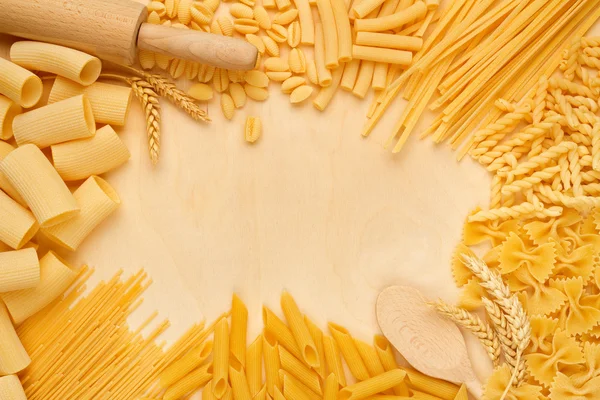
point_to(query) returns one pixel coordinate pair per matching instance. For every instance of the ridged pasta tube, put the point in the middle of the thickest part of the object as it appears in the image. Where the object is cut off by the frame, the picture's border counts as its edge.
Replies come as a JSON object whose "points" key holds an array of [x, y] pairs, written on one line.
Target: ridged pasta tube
{"points": [[60, 122], [389, 41], [48, 197], [18, 224], [11, 388], [110, 103], [13, 357], [19, 269], [63, 61], [413, 13], [378, 54], [330, 39], [19, 85], [8, 111], [321, 101], [372, 386], [5, 185]]}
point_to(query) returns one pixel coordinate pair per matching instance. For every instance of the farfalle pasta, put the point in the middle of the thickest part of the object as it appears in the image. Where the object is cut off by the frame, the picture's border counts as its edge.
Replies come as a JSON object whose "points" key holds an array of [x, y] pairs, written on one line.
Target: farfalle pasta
{"points": [[471, 294], [577, 263], [542, 331], [541, 231], [500, 379], [494, 231], [460, 272], [580, 313], [539, 259]]}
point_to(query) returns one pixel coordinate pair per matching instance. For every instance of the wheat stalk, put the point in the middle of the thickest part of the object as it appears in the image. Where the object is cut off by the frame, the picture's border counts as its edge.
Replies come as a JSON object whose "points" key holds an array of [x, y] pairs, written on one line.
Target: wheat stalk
{"points": [[503, 331], [145, 93], [475, 325]]}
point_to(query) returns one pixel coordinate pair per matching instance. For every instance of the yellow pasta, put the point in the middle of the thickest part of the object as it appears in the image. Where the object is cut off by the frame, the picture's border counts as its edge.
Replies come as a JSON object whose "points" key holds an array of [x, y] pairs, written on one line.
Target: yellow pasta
{"points": [[323, 73], [296, 368], [80, 159], [191, 360], [30, 172], [19, 85], [413, 13], [18, 224], [221, 359], [19, 269], [271, 355], [8, 111], [386, 356], [262, 394], [307, 26], [239, 327], [254, 366], [55, 277], [378, 54], [372, 386], [389, 41], [192, 382], [110, 103], [207, 393], [278, 395], [269, 4], [239, 384], [369, 357], [330, 39], [321, 101], [277, 331], [317, 336], [364, 79], [11, 389], [334, 359], [5, 184], [301, 334], [60, 122], [344, 32], [63, 61], [364, 7], [350, 75], [349, 351], [283, 5], [332, 387], [293, 390], [13, 357], [436, 387]]}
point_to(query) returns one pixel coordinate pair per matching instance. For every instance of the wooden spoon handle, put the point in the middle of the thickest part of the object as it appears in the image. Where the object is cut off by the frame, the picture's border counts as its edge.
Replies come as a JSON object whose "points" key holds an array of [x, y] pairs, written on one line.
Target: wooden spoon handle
{"points": [[474, 387], [206, 48]]}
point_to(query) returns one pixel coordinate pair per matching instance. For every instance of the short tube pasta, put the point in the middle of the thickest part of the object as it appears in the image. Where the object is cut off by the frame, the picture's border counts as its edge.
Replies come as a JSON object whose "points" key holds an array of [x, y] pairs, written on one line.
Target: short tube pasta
{"points": [[11, 388], [30, 172], [300, 371], [221, 359], [364, 7], [192, 381], [180, 368], [344, 32], [364, 79], [308, 350], [60, 122], [330, 39], [413, 13], [96, 200], [323, 73], [8, 111], [19, 85], [317, 336], [13, 357], [277, 331], [432, 386], [349, 351], [332, 387], [254, 366], [389, 41], [380, 73], [110, 103], [350, 74], [239, 328], [5, 185], [372, 386], [19, 269], [271, 356], [379, 54], [307, 25], [80, 159], [55, 277], [18, 224], [239, 383], [334, 359], [322, 100], [63, 61], [386, 356]]}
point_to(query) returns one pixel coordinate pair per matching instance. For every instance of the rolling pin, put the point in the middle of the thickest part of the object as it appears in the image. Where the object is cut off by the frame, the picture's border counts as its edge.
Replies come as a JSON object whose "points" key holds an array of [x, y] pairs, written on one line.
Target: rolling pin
{"points": [[115, 29]]}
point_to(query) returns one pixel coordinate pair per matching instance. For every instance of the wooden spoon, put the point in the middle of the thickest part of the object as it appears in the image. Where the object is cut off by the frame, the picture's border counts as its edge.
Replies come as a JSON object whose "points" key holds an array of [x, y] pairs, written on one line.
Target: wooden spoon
{"points": [[431, 343]]}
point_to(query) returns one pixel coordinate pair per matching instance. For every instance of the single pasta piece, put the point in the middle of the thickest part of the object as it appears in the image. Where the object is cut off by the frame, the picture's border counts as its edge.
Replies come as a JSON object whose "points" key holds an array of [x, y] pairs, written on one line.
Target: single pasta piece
{"points": [[389, 41], [11, 389], [350, 75], [80, 159], [207, 393], [270, 4], [307, 26], [277, 331], [349, 351], [19, 269], [413, 13], [317, 336], [239, 328], [110, 103], [30, 172], [271, 355], [8, 111], [321, 101], [334, 359], [330, 39], [332, 387], [323, 72], [221, 359], [5, 185], [278, 394], [380, 73], [283, 5], [252, 129], [63, 61], [300, 94], [262, 394], [60, 122], [300, 371], [436, 387], [18, 224], [344, 32], [239, 383], [193, 381], [369, 357], [13, 357], [19, 85], [295, 390], [254, 366], [295, 320], [365, 77], [372, 386], [379, 54], [191, 360], [55, 277], [386, 356], [364, 7]]}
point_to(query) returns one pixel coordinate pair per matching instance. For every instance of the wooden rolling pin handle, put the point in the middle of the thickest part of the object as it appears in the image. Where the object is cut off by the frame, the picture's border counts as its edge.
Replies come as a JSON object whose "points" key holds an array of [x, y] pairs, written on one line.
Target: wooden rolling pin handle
{"points": [[220, 51]]}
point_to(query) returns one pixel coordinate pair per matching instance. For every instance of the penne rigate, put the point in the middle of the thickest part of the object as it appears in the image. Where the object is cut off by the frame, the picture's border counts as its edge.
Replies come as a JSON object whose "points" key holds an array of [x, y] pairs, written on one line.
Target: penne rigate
{"points": [[180, 368], [372, 386], [239, 327], [254, 366], [332, 387], [191, 382], [221, 359], [388, 360], [349, 351], [272, 365], [334, 359], [304, 340], [300, 371], [277, 331], [239, 383], [317, 336]]}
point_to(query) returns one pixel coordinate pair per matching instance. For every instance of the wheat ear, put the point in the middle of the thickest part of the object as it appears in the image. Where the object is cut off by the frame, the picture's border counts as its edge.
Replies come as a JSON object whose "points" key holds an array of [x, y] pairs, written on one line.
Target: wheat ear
{"points": [[475, 325], [503, 331], [149, 99]]}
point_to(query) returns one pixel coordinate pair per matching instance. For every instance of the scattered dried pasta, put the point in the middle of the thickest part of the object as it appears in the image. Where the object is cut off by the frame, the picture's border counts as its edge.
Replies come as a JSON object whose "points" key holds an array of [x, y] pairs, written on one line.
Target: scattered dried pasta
{"points": [[252, 129]]}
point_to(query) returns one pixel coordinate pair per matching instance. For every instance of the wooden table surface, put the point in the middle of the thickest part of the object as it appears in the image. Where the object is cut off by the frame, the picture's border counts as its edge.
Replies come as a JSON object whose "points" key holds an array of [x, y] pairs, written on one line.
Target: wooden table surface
{"points": [[312, 207]]}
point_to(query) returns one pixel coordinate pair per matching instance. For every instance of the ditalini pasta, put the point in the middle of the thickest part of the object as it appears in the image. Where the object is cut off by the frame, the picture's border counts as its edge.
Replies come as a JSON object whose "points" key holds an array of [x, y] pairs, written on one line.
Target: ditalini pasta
{"points": [[413, 13], [221, 359], [72, 64], [55, 277], [372, 386], [254, 366], [334, 359], [192, 381], [300, 371], [5, 184], [110, 103], [11, 389], [13, 357], [19, 269], [239, 383], [19, 85], [8, 111], [307, 25], [330, 39], [239, 328], [60, 122], [277, 331], [302, 336], [349, 351], [80, 159], [271, 356], [30, 172], [96, 200], [180, 368], [389, 41], [323, 73], [378, 54], [18, 224]]}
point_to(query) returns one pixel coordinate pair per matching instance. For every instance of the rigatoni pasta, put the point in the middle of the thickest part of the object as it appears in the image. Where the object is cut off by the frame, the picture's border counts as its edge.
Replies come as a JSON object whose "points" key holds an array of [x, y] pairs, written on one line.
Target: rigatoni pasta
{"points": [[60, 122], [11, 389], [19, 269], [13, 357], [307, 25], [389, 41], [221, 359], [5, 184], [344, 31], [323, 72], [30, 172], [308, 350], [72, 64], [330, 39], [364, 79], [322, 100], [239, 328], [378, 54], [8, 111], [19, 85], [110, 103], [80, 159], [18, 224]]}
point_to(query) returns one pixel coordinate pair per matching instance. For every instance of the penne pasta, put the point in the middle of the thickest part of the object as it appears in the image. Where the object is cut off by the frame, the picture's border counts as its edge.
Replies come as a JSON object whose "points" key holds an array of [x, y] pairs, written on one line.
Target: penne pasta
{"points": [[370, 358], [83, 158], [239, 384], [321, 101], [349, 351], [432, 386], [207, 393], [304, 340], [19, 85], [48, 197], [350, 74], [334, 359], [417, 395], [364, 79], [292, 390], [278, 395], [5, 185], [378, 54], [55, 277], [413, 13], [386, 356], [462, 393], [332, 387], [330, 39], [307, 26], [239, 327], [8, 111], [389, 41], [19, 269], [18, 224], [271, 356], [221, 359], [372, 386], [190, 383], [110, 103], [13, 357], [317, 336], [63, 61], [296, 368], [323, 73], [180, 368], [277, 331], [11, 389], [254, 366]]}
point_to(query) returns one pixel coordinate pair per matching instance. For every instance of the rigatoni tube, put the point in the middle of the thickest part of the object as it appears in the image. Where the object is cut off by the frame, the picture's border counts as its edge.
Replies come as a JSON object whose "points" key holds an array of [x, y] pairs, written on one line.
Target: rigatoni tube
{"points": [[19, 85], [5, 185], [344, 32], [11, 388], [13, 357], [18, 224], [19, 269], [8, 111]]}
